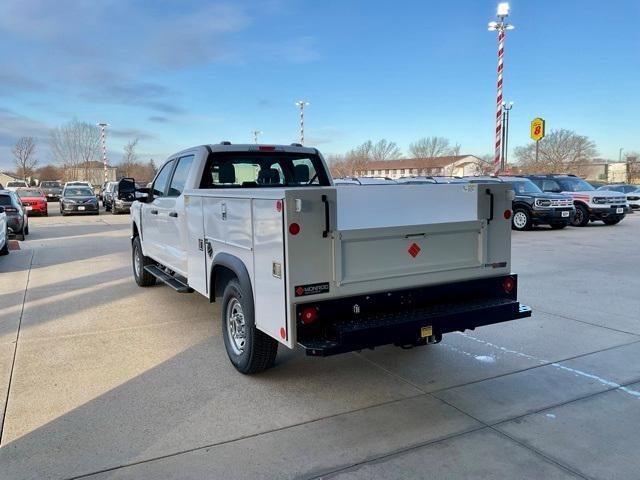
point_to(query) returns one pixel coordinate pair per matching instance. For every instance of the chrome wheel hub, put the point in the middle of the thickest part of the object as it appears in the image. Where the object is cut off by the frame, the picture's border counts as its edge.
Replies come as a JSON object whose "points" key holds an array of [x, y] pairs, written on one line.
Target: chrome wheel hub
{"points": [[236, 327], [137, 261]]}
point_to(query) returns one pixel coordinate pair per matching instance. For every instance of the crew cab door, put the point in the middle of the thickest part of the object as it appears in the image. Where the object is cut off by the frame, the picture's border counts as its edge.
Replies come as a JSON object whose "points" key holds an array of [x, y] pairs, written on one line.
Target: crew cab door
{"points": [[150, 212], [172, 220]]}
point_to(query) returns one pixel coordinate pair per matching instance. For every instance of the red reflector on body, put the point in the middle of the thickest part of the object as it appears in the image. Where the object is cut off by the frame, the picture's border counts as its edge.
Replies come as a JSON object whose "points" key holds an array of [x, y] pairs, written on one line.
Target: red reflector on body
{"points": [[294, 229], [508, 284], [278, 205], [309, 315], [507, 214], [266, 148]]}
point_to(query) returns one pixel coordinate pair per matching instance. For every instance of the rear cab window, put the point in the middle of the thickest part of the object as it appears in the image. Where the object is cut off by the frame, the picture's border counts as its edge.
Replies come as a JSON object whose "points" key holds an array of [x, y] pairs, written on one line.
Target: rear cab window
{"points": [[263, 170]]}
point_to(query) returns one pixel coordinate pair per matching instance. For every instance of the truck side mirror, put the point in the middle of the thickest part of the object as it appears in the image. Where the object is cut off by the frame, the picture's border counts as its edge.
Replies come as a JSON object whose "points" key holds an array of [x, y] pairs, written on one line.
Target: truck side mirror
{"points": [[1, 209]]}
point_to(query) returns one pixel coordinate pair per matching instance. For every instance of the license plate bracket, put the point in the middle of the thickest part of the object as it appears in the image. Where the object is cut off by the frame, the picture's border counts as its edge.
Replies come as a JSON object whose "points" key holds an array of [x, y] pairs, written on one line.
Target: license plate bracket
{"points": [[565, 214], [619, 210]]}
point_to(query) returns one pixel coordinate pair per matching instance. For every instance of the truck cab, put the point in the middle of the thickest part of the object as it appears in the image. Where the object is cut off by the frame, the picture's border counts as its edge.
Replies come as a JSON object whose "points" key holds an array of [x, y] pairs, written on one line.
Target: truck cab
{"points": [[295, 261]]}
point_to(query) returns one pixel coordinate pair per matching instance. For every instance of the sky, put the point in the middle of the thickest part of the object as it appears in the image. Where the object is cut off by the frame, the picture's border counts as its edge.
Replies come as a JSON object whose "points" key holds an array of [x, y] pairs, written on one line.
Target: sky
{"points": [[179, 73]]}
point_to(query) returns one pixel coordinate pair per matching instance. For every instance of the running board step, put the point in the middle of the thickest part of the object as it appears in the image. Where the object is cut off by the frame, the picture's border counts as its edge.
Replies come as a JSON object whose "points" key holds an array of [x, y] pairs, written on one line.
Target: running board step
{"points": [[170, 280]]}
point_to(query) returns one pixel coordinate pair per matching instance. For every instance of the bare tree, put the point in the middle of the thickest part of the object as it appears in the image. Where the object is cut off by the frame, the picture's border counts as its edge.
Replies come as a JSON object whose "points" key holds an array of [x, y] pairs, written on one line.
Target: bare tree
{"points": [[559, 152], [129, 160], [338, 166], [429, 147], [633, 167], [24, 156], [75, 145], [385, 150], [48, 172]]}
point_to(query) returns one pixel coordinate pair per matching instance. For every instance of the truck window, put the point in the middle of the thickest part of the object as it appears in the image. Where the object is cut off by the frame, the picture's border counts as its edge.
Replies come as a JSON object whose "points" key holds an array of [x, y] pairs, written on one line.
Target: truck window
{"points": [[262, 169], [180, 176], [160, 183]]}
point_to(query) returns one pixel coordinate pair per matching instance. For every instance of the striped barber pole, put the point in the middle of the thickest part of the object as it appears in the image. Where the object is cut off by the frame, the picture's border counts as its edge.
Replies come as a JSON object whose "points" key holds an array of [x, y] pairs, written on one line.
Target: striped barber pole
{"points": [[103, 139], [301, 104], [496, 159]]}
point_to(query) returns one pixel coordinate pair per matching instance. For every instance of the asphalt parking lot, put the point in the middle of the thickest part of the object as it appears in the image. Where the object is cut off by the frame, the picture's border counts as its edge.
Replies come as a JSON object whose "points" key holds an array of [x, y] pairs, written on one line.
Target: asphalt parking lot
{"points": [[100, 378]]}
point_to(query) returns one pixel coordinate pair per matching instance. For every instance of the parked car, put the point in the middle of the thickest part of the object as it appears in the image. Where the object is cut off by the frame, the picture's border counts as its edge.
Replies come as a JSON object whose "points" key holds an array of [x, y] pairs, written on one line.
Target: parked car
{"points": [[416, 180], [78, 199], [532, 206], [52, 189], [4, 233], [107, 195], [13, 185], [632, 193], [591, 204], [364, 181], [122, 196], [33, 200], [17, 218]]}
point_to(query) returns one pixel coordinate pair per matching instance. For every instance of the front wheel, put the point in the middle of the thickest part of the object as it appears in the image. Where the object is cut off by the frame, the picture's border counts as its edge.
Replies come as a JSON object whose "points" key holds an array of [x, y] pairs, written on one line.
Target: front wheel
{"points": [[521, 219], [611, 221], [249, 349], [142, 277], [558, 226], [582, 217]]}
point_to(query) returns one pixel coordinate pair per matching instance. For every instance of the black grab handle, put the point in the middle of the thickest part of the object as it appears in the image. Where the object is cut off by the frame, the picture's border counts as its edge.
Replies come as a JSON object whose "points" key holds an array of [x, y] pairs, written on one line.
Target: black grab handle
{"points": [[488, 192], [325, 233]]}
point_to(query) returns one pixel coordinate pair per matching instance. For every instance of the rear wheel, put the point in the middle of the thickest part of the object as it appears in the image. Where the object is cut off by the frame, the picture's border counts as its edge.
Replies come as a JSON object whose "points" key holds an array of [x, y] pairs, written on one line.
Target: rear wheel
{"points": [[582, 217], [249, 349], [25, 230], [5, 249], [521, 219], [142, 277]]}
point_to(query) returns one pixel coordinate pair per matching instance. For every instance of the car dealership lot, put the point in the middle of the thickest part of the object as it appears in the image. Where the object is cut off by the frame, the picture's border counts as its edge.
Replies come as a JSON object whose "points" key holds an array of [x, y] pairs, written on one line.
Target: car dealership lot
{"points": [[111, 380]]}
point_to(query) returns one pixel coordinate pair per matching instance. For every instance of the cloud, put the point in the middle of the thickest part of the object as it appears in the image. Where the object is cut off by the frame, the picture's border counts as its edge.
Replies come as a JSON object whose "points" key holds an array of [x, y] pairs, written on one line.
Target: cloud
{"points": [[158, 119], [123, 92], [13, 126], [130, 133], [12, 81]]}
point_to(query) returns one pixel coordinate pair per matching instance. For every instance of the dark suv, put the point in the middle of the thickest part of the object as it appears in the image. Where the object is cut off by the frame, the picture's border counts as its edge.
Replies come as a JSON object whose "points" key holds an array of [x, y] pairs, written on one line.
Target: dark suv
{"points": [[52, 189], [591, 204], [531, 206]]}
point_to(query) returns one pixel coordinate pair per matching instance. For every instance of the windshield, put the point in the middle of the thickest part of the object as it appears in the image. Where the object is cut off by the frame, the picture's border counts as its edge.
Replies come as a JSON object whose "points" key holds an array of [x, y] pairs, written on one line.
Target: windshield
{"points": [[570, 184], [263, 169], [50, 184], [524, 186], [78, 192], [29, 193]]}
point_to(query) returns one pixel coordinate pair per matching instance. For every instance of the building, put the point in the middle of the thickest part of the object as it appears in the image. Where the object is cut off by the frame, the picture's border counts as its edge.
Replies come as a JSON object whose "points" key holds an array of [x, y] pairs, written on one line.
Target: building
{"points": [[6, 178], [91, 172], [454, 165]]}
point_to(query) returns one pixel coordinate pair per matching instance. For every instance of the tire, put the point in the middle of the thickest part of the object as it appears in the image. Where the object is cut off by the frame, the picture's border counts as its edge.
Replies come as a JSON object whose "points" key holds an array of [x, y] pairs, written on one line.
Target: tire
{"points": [[558, 226], [139, 261], [25, 230], [20, 237], [611, 221], [254, 351], [521, 219], [581, 218], [5, 250]]}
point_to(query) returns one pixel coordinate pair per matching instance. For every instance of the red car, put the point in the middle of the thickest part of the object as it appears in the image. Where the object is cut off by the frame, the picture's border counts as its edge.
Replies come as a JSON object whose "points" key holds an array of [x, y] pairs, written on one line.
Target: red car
{"points": [[33, 200]]}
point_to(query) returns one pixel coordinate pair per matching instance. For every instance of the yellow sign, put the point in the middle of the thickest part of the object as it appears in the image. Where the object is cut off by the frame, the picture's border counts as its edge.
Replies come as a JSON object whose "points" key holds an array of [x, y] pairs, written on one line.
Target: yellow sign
{"points": [[537, 129], [426, 331]]}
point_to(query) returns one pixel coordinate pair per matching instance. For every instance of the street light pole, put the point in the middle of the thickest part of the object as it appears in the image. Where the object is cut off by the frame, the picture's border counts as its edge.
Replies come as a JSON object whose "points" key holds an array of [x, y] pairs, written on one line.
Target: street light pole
{"points": [[103, 137], [506, 109], [255, 135], [301, 104], [501, 27]]}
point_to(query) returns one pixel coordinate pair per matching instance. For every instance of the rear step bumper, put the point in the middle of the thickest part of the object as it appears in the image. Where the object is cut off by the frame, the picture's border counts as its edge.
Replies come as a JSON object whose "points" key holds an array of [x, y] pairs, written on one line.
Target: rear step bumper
{"points": [[169, 280], [406, 327]]}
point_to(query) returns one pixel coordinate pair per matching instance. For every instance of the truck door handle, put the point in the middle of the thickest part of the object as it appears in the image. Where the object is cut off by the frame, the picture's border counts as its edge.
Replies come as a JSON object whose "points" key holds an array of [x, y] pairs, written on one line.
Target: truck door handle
{"points": [[173, 214], [325, 233], [153, 212], [223, 210], [488, 192]]}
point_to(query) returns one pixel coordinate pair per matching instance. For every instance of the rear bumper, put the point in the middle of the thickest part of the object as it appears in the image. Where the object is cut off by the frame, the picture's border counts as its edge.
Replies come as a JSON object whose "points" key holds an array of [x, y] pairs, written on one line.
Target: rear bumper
{"points": [[436, 310]]}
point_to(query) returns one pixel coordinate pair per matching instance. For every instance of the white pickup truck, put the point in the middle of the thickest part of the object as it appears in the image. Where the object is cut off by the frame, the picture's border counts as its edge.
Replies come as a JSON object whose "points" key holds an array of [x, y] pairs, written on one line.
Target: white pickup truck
{"points": [[297, 261]]}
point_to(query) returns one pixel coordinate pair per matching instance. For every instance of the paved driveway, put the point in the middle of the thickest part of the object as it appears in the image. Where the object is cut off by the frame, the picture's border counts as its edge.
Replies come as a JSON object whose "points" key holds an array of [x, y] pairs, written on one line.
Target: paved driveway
{"points": [[103, 379]]}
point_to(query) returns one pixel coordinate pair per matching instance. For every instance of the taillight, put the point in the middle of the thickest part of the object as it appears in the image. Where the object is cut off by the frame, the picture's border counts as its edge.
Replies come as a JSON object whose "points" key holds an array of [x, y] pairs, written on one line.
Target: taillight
{"points": [[266, 148], [508, 284], [294, 229], [309, 315]]}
